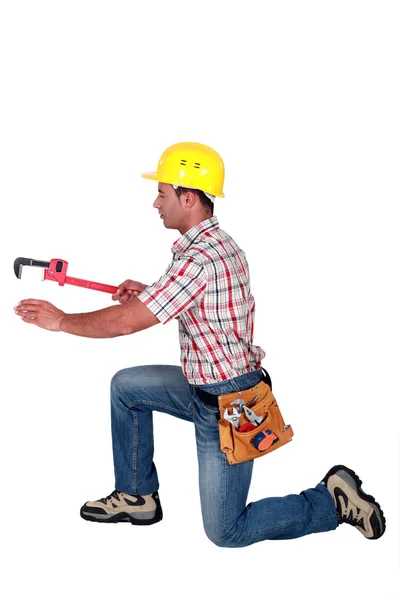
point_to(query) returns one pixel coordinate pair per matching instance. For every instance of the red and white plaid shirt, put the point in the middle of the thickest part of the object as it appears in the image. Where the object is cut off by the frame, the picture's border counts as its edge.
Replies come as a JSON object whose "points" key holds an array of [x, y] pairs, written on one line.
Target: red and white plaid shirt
{"points": [[207, 288]]}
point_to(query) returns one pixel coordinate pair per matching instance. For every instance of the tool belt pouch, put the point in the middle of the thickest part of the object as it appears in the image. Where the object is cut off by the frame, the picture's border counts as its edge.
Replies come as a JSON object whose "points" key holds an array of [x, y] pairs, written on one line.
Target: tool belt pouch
{"points": [[270, 434]]}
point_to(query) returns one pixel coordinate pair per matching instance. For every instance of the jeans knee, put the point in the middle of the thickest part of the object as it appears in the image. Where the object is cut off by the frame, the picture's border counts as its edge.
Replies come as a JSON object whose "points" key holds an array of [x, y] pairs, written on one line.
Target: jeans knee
{"points": [[222, 541], [215, 539], [116, 383], [122, 384], [220, 538]]}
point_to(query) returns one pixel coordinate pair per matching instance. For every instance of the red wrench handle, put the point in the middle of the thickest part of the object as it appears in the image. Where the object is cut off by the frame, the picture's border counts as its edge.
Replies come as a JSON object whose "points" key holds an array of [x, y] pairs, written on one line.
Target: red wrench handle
{"points": [[57, 271], [93, 285]]}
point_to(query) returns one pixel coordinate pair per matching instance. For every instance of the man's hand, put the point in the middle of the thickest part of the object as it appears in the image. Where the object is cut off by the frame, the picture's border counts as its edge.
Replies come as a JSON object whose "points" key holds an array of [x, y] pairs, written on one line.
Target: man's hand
{"points": [[40, 313], [125, 290], [108, 322]]}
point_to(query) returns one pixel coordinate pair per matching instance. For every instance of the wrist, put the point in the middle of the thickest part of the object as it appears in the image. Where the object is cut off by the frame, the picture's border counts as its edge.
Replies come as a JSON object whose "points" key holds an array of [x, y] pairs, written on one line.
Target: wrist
{"points": [[62, 323]]}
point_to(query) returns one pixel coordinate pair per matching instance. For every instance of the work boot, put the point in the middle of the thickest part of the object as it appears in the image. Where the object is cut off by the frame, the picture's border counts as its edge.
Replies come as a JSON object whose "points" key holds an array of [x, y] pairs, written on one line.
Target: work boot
{"points": [[353, 505], [118, 506]]}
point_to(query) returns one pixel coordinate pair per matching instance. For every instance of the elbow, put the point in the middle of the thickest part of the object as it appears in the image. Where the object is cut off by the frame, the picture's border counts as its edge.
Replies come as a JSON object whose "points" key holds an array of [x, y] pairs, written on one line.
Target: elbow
{"points": [[129, 327], [126, 330]]}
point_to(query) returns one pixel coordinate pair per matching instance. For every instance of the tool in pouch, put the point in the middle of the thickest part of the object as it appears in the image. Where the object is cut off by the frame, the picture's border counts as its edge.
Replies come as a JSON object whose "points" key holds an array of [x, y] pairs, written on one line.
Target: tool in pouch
{"points": [[56, 270], [251, 424]]}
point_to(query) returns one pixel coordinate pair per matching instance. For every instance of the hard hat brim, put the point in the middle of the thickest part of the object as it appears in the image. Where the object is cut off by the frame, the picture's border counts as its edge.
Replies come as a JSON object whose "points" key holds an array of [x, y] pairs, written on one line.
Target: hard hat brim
{"points": [[151, 176]]}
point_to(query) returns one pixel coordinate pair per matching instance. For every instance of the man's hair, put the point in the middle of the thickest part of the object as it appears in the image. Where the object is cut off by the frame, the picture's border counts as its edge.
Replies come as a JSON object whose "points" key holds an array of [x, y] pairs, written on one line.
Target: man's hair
{"points": [[205, 202]]}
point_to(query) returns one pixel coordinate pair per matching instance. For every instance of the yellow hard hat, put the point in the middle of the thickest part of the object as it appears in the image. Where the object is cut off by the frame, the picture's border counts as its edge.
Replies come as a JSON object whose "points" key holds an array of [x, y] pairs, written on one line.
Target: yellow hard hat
{"points": [[191, 165]]}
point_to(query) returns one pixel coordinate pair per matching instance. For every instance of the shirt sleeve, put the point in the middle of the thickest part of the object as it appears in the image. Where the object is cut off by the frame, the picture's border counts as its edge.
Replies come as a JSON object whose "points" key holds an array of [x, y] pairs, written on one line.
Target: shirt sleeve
{"points": [[181, 287]]}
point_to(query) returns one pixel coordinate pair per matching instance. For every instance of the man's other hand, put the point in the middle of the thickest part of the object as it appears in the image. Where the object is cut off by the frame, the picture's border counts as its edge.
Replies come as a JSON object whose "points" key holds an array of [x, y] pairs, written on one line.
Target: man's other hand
{"points": [[40, 313]]}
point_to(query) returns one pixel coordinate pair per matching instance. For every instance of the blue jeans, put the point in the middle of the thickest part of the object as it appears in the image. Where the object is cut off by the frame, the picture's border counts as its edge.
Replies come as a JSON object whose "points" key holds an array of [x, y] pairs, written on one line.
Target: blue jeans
{"points": [[228, 522]]}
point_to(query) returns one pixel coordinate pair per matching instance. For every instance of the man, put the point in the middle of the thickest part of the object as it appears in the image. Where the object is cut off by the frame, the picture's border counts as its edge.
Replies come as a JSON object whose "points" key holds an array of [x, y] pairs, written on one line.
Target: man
{"points": [[206, 287]]}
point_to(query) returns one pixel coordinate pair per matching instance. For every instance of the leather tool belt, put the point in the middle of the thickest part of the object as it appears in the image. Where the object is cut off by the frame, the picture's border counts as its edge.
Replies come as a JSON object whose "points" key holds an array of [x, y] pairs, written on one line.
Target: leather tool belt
{"points": [[249, 439]]}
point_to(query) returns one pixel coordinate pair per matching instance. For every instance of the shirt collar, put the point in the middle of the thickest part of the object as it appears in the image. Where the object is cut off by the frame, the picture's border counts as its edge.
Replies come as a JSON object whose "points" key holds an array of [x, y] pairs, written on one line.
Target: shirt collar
{"points": [[187, 239]]}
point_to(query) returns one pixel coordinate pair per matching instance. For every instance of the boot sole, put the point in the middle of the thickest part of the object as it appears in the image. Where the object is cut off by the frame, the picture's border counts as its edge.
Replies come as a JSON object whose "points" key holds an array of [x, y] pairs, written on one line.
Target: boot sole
{"points": [[123, 518], [367, 497]]}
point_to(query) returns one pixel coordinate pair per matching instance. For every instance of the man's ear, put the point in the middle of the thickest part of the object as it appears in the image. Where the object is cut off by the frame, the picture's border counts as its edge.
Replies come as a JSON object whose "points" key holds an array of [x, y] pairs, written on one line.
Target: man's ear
{"points": [[190, 199]]}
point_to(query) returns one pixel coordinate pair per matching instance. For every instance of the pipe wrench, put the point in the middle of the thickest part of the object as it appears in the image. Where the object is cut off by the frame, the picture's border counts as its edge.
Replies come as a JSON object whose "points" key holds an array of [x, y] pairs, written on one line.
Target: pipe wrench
{"points": [[56, 270]]}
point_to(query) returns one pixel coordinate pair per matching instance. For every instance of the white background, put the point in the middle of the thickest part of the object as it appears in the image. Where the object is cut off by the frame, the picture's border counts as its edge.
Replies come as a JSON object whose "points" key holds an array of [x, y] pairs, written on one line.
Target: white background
{"points": [[302, 100]]}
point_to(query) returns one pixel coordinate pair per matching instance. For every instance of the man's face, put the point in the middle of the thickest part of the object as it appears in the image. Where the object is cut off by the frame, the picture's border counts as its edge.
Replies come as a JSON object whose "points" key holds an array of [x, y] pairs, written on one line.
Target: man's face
{"points": [[169, 206]]}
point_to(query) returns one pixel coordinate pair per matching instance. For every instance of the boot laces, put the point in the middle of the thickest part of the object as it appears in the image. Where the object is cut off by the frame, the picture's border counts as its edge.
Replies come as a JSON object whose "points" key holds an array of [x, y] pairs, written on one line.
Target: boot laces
{"points": [[352, 515], [114, 495]]}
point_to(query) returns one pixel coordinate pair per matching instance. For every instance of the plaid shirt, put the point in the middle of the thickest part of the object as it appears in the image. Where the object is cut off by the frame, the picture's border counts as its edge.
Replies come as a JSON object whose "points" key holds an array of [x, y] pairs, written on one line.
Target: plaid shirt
{"points": [[207, 288]]}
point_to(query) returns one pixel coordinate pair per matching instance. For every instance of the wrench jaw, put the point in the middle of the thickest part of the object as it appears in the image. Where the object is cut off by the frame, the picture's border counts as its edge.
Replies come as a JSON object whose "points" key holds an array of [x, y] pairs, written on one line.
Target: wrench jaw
{"points": [[239, 402], [233, 417], [21, 262], [54, 270]]}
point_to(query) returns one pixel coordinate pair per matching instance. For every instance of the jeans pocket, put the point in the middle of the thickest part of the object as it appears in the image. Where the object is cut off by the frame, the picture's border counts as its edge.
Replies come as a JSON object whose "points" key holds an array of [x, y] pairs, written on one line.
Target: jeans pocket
{"points": [[210, 409]]}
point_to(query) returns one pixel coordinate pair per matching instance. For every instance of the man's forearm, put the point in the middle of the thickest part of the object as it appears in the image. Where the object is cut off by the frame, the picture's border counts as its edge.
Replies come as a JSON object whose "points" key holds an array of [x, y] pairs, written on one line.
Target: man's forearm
{"points": [[106, 323], [130, 317]]}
